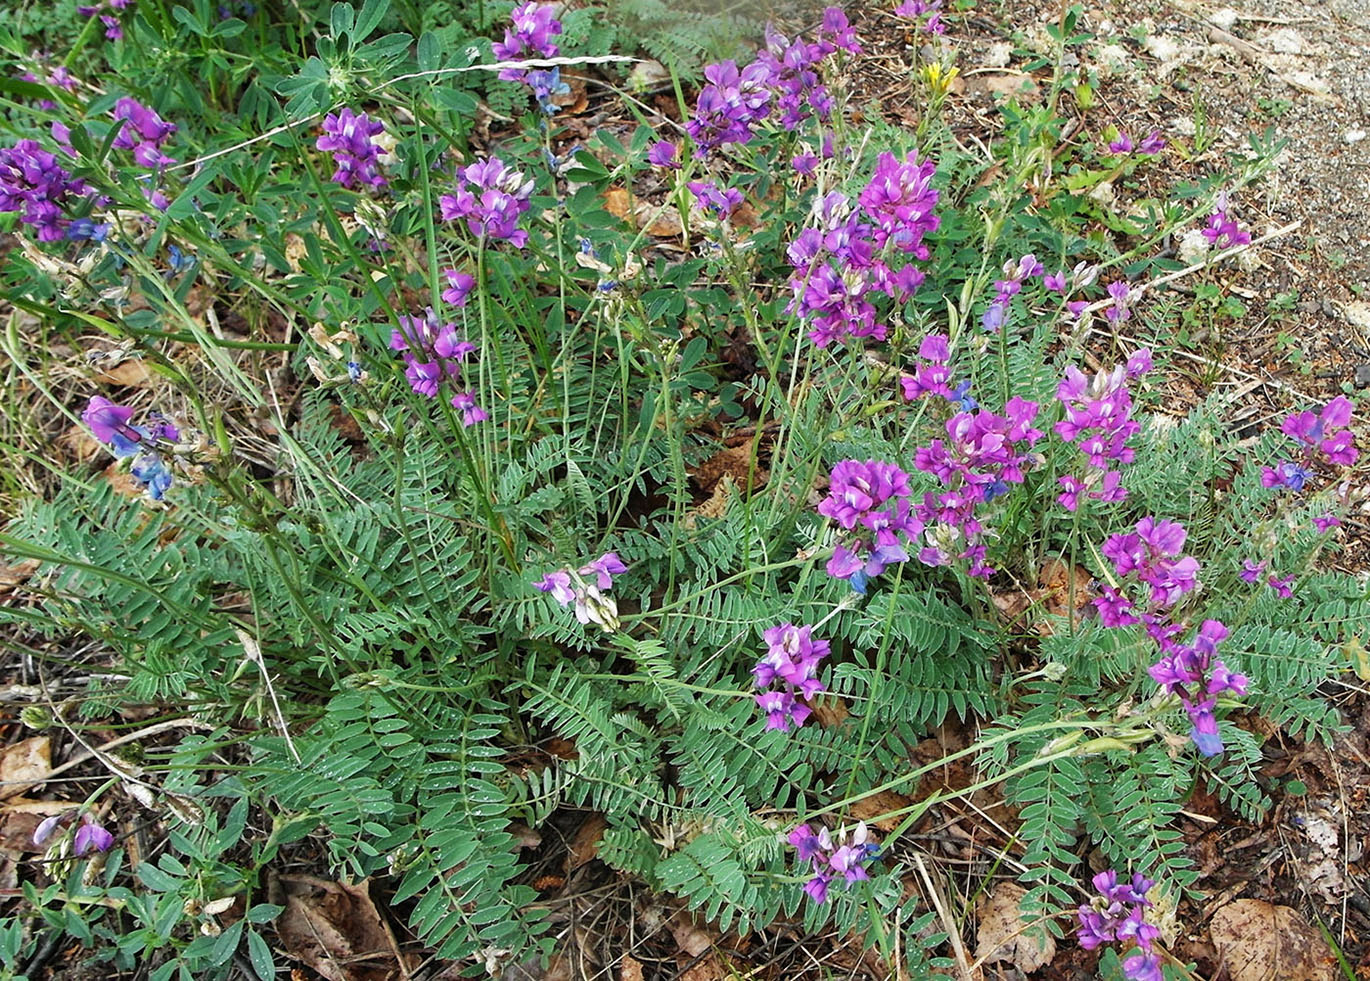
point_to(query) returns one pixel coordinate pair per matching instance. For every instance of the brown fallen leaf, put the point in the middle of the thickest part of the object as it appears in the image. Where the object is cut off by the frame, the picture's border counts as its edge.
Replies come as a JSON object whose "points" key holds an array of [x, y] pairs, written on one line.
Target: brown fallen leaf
{"points": [[829, 710], [630, 969], [131, 373], [874, 808], [1003, 935], [335, 929], [22, 764], [585, 845], [19, 819], [1257, 941]]}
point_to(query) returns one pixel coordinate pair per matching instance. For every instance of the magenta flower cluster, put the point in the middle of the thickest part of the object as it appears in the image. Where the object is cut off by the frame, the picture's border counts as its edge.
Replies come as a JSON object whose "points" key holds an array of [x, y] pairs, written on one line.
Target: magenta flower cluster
{"points": [[927, 12], [592, 605], [869, 501], [38, 188], [108, 11], [932, 372], [1253, 571], [838, 264], [492, 198], [788, 672], [1152, 556], [1081, 276], [434, 353], [144, 132], [783, 81], [1118, 915], [1015, 274], [90, 834], [351, 138], [1222, 230], [829, 860], [1098, 413], [1197, 677], [529, 35], [983, 454], [1121, 308], [1122, 144], [1321, 437], [111, 425]]}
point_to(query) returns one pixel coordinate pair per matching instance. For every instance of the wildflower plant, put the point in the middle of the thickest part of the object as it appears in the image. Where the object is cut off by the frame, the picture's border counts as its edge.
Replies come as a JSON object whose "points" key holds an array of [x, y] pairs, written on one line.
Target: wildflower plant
{"points": [[474, 508]]}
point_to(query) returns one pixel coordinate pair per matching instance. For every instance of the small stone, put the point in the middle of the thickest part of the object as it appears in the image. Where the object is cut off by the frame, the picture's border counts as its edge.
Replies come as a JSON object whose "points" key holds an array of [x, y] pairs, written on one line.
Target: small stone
{"points": [[1193, 246], [1353, 135], [1224, 19], [998, 54], [1113, 56], [1183, 126], [1357, 315], [1284, 41], [1362, 375], [1162, 48]]}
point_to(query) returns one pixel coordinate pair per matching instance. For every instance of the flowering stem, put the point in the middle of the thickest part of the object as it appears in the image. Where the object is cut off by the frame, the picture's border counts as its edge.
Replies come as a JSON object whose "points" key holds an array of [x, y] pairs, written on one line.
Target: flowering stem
{"points": [[735, 577]]}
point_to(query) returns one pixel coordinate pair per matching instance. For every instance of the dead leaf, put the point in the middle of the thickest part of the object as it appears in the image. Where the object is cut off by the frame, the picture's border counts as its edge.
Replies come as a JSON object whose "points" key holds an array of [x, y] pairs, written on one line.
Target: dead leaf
{"points": [[1061, 589], [630, 969], [1003, 934], [585, 845], [737, 462], [335, 929], [22, 764], [17, 574], [1257, 941], [690, 935], [647, 73], [1014, 84], [129, 374], [19, 819], [873, 808], [662, 222], [829, 711]]}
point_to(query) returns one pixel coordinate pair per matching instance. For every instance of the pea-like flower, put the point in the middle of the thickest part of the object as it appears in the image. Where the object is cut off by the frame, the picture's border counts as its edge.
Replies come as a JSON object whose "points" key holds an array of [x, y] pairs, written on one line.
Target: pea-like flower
{"points": [[352, 139], [789, 672], [592, 605]]}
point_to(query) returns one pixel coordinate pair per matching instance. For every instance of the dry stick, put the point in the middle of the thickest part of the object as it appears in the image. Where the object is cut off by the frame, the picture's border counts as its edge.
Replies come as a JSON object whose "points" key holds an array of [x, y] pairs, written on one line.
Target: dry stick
{"points": [[95, 752], [254, 651], [953, 932]]}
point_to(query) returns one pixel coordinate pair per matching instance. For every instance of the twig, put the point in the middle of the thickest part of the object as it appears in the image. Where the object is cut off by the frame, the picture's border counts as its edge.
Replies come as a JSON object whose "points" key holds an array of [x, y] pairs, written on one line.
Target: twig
{"points": [[254, 651], [95, 752], [953, 932]]}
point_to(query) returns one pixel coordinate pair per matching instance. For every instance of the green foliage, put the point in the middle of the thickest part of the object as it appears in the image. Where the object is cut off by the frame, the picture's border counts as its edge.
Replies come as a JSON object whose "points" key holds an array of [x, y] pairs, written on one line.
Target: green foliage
{"points": [[334, 611]]}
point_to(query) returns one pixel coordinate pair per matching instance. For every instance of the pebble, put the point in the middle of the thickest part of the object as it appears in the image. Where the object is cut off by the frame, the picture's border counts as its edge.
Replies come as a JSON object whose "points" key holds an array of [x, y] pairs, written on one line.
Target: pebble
{"points": [[1353, 135], [1162, 48], [1363, 375], [1284, 41], [1224, 19], [1113, 56], [999, 54]]}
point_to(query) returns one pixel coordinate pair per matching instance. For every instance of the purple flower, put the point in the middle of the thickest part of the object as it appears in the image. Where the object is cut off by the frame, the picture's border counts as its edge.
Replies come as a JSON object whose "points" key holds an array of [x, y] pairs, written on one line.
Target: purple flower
{"points": [[1196, 676], [1283, 587], [1121, 296], [837, 30], [1098, 415], [603, 568], [108, 421], [1222, 231], [920, 9], [471, 413], [459, 286], [1323, 435], [433, 352], [91, 835], [1153, 556], [1251, 570], [899, 200], [828, 860], [709, 196], [492, 199], [1154, 143], [350, 137], [559, 585], [532, 27], [1144, 965], [1326, 523], [1120, 144], [143, 132], [932, 374], [36, 186], [870, 500], [591, 604], [47, 826], [1118, 913], [789, 669], [106, 13], [664, 153]]}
